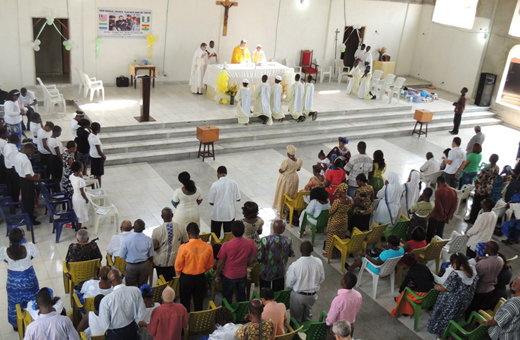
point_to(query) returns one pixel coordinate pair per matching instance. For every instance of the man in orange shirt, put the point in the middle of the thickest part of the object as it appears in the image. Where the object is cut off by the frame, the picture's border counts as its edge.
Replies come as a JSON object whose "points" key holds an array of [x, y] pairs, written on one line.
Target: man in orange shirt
{"points": [[274, 311], [193, 260]]}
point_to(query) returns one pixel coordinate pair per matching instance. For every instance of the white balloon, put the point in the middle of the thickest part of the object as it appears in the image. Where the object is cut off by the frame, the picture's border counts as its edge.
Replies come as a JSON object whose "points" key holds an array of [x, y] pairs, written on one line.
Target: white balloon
{"points": [[37, 42], [36, 48]]}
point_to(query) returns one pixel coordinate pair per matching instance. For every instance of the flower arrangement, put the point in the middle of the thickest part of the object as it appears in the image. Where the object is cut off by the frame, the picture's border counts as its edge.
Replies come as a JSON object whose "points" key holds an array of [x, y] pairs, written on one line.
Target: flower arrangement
{"points": [[232, 90], [382, 50]]}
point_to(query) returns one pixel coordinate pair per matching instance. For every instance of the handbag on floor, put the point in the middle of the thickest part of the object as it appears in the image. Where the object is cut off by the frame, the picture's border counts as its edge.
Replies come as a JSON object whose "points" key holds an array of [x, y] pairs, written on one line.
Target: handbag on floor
{"points": [[122, 81]]}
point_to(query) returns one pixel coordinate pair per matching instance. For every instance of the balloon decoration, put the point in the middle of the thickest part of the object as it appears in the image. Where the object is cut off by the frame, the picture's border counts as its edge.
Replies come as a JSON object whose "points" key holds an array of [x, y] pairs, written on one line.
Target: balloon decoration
{"points": [[98, 42], [151, 39], [343, 48], [49, 21], [222, 81]]}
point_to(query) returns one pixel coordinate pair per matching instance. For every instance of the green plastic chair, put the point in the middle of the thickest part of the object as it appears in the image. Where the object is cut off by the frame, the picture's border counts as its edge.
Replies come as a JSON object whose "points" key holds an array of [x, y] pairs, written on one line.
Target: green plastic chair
{"points": [[313, 330], [239, 310], [457, 331], [321, 223], [427, 301], [399, 229], [282, 296]]}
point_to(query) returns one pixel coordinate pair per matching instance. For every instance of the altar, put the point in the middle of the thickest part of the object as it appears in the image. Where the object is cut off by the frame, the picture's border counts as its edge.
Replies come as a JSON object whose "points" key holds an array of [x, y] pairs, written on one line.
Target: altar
{"points": [[237, 72]]}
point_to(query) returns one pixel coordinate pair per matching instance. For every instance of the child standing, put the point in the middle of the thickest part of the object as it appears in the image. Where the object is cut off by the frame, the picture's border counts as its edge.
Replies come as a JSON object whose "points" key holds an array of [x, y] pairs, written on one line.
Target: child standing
{"points": [[79, 197]]}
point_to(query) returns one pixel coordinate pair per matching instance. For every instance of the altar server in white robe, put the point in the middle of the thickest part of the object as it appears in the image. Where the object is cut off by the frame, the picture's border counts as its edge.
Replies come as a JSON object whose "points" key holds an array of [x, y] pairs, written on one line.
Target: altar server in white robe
{"points": [[262, 107], [198, 67], [276, 99], [243, 99], [296, 103], [212, 53], [354, 77], [365, 85], [367, 59], [307, 101], [259, 55], [360, 52]]}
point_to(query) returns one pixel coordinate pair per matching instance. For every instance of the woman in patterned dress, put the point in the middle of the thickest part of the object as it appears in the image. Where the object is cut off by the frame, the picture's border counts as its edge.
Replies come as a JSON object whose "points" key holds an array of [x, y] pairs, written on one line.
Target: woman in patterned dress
{"points": [[375, 178], [68, 159], [288, 180], [22, 284], [455, 294], [362, 205], [252, 222], [338, 218]]}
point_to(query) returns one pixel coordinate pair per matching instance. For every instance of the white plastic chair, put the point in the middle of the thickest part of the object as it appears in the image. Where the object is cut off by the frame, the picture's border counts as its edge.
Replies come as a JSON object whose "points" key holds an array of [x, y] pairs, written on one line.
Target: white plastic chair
{"points": [[290, 63], [386, 269], [395, 89], [93, 86], [383, 85], [500, 210], [52, 97], [341, 69], [324, 70], [456, 244], [431, 178], [376, 78], [102, 206], [463, 194], [277, 60]]}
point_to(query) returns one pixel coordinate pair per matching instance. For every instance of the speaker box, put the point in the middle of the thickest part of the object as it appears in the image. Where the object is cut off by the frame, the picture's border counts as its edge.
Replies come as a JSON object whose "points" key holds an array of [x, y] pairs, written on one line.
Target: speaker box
{"points": [[486, 86]]}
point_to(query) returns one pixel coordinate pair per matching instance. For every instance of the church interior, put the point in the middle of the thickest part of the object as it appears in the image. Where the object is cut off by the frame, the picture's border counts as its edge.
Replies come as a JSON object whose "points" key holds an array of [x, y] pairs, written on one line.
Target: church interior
{"points": [[436, 47]]}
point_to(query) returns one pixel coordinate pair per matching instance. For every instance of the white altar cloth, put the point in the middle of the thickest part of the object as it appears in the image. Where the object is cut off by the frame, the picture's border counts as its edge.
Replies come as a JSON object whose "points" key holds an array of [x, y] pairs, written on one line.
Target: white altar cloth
{"points": [[237, 72]]}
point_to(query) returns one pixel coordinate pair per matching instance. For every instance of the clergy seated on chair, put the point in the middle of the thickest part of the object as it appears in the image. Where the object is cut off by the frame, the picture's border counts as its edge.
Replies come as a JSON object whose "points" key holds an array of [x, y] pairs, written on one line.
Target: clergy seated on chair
{"points": [[83, 250], [241, 53], [198, 68]]}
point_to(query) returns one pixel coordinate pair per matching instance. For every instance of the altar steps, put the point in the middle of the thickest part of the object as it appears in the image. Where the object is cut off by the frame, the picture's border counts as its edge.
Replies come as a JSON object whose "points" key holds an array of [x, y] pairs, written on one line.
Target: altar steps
{"points": [[156, 142]]}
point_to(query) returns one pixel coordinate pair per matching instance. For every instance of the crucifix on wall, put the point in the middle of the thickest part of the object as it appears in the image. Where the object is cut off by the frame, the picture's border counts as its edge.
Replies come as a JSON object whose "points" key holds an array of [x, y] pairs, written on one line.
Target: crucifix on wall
{"points": [[227, 5]]}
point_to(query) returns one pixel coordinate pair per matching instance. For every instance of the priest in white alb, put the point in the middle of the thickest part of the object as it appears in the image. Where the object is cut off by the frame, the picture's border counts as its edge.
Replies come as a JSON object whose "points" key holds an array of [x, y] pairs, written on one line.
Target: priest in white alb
{"points": [[354, 77], [296, 103], [262, 107], [198, 67], [276, 99], [307, 101], [212, 53], [360, 52], [259, 55], [243, 99], [365, 85], [367, 59]]}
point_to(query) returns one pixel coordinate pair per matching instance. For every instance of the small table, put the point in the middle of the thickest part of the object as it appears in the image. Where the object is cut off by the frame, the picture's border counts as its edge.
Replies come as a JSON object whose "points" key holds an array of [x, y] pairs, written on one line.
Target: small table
{"points": [[133, 69], [388, 67], [422, 117], [207, 134]]}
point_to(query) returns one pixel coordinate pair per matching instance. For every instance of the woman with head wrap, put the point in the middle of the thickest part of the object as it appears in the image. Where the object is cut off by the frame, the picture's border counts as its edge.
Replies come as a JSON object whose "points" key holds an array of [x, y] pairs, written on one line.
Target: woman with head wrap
{"points": [[410, 193], [288, 180], [338, 219], [390, 195], [150, 305]]}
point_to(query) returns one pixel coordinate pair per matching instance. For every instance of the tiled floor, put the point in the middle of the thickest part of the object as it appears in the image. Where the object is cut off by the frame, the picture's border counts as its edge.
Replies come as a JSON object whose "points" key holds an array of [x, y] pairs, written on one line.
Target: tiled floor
{"points": [[142, 190]]}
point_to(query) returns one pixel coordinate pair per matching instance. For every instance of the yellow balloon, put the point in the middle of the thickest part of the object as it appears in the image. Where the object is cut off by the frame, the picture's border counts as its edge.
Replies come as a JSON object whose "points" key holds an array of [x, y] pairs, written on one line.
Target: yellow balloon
{"points": [[224, 101]]}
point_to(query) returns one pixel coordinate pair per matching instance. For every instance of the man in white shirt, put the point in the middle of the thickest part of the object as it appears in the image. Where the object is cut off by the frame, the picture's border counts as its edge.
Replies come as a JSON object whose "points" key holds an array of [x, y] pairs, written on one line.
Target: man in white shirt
{"points": [[4, 134], [114, 246], [29, 101], [42, 144], [304, 277], [10, 151], [479, 137], [262, 107], [74, 122], [259, 55], [27, 178], [212, 53], [358, 164], [198, 67], [276, 99], [121, 310], [222, 196], [50, 324], [358, 55], [455, 158], [430, 166]]}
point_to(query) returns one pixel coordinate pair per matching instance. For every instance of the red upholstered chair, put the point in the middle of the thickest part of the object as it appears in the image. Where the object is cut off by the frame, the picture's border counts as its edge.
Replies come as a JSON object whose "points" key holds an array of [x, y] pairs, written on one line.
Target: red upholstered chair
{"points": [[308, 67]]}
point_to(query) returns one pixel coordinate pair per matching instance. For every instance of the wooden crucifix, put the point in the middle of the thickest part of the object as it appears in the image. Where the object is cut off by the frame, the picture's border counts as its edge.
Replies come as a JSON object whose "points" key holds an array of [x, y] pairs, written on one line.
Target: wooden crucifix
{"points": [[227, 5]]}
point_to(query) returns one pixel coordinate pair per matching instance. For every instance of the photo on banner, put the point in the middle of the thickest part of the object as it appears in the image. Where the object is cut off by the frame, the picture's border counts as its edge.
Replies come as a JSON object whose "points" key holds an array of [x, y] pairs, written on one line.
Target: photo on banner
{"points": [[120, 23]]}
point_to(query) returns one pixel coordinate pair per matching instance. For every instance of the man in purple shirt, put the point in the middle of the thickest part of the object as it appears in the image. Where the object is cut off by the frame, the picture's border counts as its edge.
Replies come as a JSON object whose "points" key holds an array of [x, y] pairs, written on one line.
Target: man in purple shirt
{"points": [[347, 304], [234, 257]]}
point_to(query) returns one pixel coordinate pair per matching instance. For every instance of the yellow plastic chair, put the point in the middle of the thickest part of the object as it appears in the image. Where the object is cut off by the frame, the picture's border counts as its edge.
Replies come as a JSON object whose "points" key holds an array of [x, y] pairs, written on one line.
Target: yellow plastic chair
{"points": [[433, 252], [158, 290], [289, 335], [77, 272], [400, 267], [97, 337], [174, 284], [201, 323], [348, 245], [205, 237], [77, 315], [215, 240], [294, 204], [489, 314], [374, 238], [253, 276], [508, 261], [119, 263], [20, 315]]}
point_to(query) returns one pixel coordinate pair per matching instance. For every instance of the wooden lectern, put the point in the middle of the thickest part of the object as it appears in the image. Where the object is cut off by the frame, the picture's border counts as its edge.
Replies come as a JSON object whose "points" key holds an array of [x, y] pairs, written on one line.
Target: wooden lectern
{"points": [[145, 100], [207, 134], [422, 117]]}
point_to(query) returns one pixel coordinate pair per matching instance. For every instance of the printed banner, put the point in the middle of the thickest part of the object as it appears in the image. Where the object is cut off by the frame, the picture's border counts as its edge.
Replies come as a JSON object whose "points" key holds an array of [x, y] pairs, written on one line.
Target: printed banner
{"points": [[118, 23]]}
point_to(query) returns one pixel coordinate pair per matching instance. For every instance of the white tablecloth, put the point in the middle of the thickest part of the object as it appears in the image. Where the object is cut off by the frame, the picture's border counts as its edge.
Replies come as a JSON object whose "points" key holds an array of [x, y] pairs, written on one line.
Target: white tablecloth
{"points": [[237, 72]]}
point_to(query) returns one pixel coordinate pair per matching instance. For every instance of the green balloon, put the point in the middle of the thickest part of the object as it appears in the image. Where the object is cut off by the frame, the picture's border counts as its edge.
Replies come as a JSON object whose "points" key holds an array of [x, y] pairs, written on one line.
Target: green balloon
{"points": [[50, 22], [68, 47], [343, 49]]}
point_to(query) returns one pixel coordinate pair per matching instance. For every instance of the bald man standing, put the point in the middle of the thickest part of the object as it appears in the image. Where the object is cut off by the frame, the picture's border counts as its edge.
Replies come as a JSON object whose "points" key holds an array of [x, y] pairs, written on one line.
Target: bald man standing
{"points": [[114, 246], [121, 310], [168, 319], [167, 239]]}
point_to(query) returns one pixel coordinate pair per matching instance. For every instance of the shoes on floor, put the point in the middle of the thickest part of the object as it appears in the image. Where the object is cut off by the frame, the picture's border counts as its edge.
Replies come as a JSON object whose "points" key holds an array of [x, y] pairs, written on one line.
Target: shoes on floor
{"points": [[34, 222], [454, 133]]}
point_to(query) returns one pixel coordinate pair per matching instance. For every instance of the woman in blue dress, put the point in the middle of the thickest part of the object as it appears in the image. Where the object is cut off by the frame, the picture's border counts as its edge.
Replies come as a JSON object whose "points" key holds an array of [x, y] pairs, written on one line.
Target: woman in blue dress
{"points": [[22, 284], [455, 294]]}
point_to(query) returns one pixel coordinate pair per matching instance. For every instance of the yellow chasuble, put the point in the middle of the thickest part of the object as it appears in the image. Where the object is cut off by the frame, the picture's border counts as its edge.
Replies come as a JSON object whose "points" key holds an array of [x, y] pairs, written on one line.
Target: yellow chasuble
{"points": [[240, 55]]}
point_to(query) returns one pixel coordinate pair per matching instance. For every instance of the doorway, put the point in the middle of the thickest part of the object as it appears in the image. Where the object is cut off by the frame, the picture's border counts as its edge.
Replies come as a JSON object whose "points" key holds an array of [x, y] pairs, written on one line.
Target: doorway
{"points": [[52, 61], [351, 38]]}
